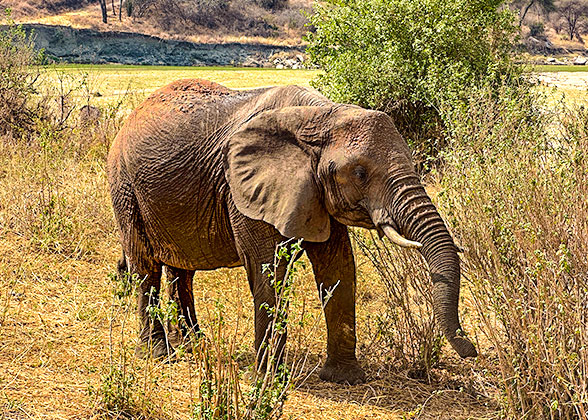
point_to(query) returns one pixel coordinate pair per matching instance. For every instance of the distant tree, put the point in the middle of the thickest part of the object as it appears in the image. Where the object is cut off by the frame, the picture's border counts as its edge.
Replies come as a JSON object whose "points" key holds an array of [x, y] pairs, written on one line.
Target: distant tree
{"points": [[104, 10], [573, 12], [129, 6], [557, 21], [525, 6]]}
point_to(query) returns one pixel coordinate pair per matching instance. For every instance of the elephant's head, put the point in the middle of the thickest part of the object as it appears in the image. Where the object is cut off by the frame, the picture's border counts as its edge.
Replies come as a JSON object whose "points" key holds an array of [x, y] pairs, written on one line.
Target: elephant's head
{"points": [[297, 167]]}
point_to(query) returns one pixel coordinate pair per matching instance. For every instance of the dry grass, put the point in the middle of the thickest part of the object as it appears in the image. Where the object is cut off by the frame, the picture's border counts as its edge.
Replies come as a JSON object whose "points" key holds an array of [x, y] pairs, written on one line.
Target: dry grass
{"points": [[514, 189], [63, 333]]}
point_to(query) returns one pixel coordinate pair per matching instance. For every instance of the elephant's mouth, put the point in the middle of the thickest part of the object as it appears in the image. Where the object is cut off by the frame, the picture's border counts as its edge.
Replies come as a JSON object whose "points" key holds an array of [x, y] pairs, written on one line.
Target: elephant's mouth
{"points": [[386, 226], [386, 229]]}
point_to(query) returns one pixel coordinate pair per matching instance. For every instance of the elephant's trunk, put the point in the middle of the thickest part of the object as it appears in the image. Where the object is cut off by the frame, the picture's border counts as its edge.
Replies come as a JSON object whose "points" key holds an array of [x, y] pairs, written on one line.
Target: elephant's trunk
{"points": [[413, 214]]}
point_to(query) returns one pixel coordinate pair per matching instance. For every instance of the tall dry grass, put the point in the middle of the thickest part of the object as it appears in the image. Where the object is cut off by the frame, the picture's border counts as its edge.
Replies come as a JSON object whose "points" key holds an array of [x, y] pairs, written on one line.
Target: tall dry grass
{"points": [[220, 387], [404, 333], [515, 191]]}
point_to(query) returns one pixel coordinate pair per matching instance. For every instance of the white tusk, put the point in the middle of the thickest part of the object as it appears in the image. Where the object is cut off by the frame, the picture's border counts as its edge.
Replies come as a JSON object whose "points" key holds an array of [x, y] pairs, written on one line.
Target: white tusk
{"points": [[399, 239]]}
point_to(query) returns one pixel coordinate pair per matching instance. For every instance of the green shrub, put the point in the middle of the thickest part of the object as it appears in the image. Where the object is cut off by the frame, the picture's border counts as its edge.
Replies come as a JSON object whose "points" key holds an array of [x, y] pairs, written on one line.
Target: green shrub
{"points": [[210, 6], [537, 29], [20, 108], [411, 58], [129, 7]]}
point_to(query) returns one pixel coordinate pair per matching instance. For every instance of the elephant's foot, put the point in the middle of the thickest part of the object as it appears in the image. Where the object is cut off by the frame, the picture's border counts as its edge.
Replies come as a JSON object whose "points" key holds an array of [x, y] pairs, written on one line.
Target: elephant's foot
{"points": [[156, 348], [342, 373], [185, 339], [177, 338]]}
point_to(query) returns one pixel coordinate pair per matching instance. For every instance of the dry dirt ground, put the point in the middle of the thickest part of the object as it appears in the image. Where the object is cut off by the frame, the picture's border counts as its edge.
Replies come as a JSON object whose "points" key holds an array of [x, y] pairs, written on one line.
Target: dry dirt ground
{"points": [[64, 337], [567, 80]]}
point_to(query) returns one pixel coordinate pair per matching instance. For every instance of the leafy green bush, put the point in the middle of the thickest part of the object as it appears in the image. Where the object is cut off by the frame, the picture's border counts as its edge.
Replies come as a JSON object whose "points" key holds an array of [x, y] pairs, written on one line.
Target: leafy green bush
{"points": [[20, 109], [411, 58]]}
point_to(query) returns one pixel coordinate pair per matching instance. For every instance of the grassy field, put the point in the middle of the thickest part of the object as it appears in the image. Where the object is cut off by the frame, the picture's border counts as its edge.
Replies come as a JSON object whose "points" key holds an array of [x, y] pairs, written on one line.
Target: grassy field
{"points": [[67, 330], [106, 84], [552, 68]]}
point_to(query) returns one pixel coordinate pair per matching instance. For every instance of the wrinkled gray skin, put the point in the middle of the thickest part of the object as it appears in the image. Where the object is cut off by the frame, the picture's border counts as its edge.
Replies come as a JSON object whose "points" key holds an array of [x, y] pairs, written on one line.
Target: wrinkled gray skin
{"points": [[203, 177]]}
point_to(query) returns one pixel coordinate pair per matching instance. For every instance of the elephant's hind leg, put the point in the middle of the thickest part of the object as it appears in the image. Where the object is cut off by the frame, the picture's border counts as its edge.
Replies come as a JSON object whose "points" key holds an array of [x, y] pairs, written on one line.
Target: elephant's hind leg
{"points": [[179, 286], [152, 337], [139, 261]]}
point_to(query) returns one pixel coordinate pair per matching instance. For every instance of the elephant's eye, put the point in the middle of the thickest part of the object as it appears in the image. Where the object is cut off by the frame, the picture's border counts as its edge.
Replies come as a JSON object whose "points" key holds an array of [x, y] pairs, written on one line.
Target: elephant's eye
{"points": [[360, 173]]}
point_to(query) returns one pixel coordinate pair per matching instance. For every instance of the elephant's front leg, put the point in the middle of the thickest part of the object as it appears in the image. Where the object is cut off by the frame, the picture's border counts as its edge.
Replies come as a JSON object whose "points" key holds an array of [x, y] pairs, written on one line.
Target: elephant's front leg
{"points": [[268, 342], [256, 242], [334, 270]]}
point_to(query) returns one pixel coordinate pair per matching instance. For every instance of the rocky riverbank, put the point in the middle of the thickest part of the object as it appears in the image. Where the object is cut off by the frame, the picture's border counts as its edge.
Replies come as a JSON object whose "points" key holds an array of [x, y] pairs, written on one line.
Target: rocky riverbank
{"points": [[86, 46]]}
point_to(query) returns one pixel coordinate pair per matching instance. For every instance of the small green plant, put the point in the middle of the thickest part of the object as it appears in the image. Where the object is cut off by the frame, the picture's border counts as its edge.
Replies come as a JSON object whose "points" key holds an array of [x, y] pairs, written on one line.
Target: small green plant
{"points": [[124, 285], [220, 394], [268, 394], [272, 4], [537, 29], [120, 393], [165, 311], [271, 386], [118, 389]]}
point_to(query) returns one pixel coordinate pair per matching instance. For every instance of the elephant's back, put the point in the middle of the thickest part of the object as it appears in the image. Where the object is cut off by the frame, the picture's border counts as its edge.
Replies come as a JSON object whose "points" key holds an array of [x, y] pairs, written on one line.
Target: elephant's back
{"points": [[186, 94], [178, 104], [169, 153], [181, 115]]}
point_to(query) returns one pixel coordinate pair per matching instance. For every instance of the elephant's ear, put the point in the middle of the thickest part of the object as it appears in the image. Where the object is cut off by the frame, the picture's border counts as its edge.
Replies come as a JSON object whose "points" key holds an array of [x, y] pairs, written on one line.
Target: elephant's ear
{"points": [[270, 173]]}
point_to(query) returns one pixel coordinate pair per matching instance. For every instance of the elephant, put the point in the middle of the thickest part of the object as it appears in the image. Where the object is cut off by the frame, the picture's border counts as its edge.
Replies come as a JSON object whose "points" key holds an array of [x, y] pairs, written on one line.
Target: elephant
{"points": [[202, 176]]}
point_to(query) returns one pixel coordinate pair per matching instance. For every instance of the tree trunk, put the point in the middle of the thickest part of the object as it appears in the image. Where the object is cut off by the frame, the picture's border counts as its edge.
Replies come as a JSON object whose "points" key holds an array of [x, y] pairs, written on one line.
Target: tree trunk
{"points": [[572, 29], [104, 10], [120, 4], [524, 13]]}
